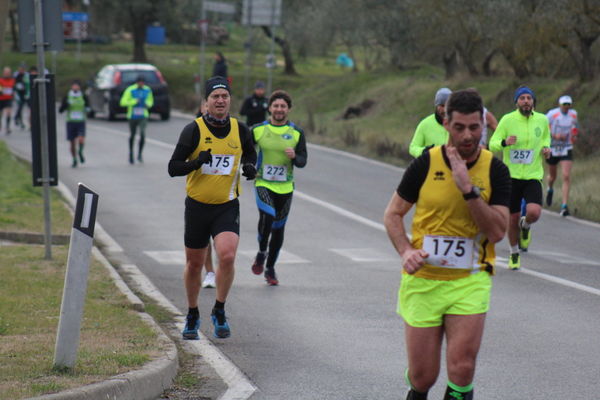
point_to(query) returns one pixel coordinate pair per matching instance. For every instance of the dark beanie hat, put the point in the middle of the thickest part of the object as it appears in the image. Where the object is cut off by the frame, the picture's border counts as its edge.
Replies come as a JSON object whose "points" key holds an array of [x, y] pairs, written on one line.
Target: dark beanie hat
{"points": [[216, 82]]}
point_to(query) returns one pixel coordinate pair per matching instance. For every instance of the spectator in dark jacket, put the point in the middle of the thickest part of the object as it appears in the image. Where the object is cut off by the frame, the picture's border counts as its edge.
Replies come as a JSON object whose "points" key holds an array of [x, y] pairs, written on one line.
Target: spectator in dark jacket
{"points": [[220, 67], [255, 106]]}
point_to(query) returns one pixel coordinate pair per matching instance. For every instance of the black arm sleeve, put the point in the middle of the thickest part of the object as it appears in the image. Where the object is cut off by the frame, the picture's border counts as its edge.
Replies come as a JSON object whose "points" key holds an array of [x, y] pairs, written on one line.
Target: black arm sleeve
{"points": [[413, 178], [301, 155], [245, 106], [246, 137], [188, 141], [63, 105], [501, 183]]}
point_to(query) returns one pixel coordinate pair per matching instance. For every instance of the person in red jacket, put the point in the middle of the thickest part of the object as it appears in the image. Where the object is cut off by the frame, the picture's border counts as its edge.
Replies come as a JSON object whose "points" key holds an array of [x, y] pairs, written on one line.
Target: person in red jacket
{"points": [[7, 85]]}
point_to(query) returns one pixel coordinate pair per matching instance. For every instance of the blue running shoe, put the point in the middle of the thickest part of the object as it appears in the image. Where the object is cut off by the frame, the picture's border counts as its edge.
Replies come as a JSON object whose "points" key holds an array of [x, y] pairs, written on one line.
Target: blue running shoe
{"points": [[192, 324], [219, 320]]}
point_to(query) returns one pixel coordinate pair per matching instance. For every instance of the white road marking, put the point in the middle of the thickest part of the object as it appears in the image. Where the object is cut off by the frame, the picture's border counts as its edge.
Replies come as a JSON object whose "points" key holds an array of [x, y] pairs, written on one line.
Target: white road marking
{"points": [[555, 279], [564, 258], [167, 257], [285, 257], [363, 255], [340, 211]]}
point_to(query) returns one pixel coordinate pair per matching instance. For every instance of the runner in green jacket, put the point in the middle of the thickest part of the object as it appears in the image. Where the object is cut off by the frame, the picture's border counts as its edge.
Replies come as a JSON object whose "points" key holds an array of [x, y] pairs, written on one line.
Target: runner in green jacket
{"points": [[430, 131], [523, 136]]}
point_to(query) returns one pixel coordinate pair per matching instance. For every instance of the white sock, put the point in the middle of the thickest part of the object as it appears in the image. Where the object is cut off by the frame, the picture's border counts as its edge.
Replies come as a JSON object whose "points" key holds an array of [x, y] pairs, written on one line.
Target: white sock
{"points": [[514, 249]]}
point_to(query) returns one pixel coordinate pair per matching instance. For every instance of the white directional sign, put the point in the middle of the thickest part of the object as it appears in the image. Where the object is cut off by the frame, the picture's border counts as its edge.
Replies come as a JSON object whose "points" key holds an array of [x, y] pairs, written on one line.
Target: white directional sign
{"points": [[220, 7], [261, 12]]}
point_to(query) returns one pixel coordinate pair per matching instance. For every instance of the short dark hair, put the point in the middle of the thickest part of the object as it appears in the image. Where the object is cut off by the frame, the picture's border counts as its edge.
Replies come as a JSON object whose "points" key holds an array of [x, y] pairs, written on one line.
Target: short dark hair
{"points": [[280, 94], [466, 101]]}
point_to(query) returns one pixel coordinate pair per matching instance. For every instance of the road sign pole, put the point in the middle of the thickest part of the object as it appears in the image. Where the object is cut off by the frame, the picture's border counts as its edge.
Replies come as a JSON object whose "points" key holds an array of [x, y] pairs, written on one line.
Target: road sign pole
{"points": [[271, 62], [203, 32], [78, 263], [43, 118]]}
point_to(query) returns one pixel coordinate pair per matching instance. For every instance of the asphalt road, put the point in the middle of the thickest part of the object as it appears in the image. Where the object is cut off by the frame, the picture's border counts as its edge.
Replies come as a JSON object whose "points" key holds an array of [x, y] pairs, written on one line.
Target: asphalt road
{"points": [[330, 331]]}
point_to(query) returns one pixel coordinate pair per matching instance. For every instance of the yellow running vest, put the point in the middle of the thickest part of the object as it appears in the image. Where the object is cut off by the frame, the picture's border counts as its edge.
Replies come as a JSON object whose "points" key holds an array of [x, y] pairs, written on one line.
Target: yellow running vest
{"points": [[443, 221], [219, 181]]}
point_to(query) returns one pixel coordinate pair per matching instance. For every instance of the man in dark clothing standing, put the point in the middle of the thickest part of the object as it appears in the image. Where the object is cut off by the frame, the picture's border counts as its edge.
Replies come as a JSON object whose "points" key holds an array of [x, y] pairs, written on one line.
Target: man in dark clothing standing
{"points": [[255, 106], [220, 67]]}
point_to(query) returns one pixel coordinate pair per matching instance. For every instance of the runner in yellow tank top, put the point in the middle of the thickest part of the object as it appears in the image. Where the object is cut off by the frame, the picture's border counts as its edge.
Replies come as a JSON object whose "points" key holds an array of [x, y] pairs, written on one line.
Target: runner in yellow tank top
{"points": [[210, 152], [461, 194]]}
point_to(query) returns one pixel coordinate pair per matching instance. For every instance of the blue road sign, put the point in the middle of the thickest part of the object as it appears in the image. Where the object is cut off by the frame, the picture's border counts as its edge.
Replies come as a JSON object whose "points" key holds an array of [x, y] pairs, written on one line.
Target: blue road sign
{"points": [[75, 16]]}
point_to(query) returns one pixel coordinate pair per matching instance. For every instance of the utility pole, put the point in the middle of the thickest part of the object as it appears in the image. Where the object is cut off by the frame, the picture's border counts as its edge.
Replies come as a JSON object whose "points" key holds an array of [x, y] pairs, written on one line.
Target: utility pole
{"points": [[41, 81]]}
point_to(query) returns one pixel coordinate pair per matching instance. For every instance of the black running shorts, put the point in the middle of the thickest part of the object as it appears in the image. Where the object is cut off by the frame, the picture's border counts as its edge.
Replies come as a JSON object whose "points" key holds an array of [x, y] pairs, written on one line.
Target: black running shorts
{"points": [[555, 160], [205, 220], [530, 190]]}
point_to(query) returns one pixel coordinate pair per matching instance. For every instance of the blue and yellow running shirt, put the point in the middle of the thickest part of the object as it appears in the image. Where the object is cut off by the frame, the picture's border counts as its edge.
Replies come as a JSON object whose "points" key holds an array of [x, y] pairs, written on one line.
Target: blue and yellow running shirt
{"points": [[275, 169], [442, 224]]}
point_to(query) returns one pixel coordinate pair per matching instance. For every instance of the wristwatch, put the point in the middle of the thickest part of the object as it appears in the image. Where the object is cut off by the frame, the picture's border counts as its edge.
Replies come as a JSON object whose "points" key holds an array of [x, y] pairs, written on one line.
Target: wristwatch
{"points": [[473, 194]]}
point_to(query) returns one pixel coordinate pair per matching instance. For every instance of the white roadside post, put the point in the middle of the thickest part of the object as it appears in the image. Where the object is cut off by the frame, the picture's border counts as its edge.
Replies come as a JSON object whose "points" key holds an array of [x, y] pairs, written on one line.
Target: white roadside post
{"points": [[78, 263]]}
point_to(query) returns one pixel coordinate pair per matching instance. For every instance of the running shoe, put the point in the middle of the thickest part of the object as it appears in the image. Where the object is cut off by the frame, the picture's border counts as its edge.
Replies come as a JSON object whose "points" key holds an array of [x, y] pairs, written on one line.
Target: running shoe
{"points": [[524, 235], [259, 263], [209, 280], [549, 194], [514, 262], [564, 211], [192, 324], [271, 278], [74, 163], [219, 320]]}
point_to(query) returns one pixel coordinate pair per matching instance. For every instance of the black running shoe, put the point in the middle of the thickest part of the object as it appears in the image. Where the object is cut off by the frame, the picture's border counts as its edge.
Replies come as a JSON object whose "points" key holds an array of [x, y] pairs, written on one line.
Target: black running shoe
{"points": [[192, 324], [222, 330]]}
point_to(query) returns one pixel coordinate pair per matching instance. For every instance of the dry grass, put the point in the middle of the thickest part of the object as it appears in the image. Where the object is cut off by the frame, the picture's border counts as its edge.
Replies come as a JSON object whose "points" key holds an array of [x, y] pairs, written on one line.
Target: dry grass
{"points": [[113, 338]]}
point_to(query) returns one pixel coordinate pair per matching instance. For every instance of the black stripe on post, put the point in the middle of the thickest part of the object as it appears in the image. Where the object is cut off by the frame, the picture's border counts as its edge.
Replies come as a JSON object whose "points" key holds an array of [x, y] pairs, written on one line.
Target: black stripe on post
{"points": [[85, 210]]}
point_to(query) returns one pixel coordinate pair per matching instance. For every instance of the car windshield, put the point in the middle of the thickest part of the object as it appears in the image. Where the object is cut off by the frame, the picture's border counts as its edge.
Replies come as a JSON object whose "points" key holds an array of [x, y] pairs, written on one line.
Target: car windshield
{"points": [[129, 77]]}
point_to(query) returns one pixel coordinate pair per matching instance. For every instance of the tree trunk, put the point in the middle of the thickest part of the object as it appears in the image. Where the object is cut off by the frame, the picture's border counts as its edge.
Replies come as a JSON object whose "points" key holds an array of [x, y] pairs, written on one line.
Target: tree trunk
{"points": [[450, 63], [468, 60], [4, 7], [586, 64], [138, 26], [289, 68], [13, 30], [519, 67], [486, 67]]}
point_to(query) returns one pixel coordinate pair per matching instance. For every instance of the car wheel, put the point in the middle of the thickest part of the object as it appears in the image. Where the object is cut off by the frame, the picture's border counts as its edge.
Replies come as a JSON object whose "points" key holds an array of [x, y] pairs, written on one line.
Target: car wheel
{"points": [[165, 116], [111, 114]]}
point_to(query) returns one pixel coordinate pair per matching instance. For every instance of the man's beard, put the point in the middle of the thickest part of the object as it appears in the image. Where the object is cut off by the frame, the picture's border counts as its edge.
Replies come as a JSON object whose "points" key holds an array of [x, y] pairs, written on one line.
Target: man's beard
{"points": [[526, 113]]}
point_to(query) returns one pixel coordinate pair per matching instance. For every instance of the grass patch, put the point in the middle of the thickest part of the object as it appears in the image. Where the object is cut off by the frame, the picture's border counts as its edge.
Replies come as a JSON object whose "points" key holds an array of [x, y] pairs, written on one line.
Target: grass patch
{"points": [[22, 204], [113, 338]]}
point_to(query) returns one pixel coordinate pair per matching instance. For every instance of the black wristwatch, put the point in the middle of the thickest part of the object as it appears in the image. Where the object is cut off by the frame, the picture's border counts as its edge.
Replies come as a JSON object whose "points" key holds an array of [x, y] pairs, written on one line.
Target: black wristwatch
{"points": [[473, 194]]}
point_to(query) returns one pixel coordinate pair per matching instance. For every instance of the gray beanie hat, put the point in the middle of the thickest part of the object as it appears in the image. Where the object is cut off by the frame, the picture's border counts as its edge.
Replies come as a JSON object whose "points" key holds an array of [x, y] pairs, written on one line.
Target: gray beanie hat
{"points": [[441, 96]]}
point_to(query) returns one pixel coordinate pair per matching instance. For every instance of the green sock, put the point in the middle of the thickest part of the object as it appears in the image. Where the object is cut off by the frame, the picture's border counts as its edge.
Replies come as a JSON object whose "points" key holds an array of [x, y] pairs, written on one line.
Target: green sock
{"points": [[413, 394], [455, 392]]}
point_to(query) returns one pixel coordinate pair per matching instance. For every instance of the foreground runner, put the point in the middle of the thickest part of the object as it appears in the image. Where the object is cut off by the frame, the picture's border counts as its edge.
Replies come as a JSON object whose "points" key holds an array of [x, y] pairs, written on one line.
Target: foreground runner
{"points": [[524, 138], [461, 193], [564, 129], [282, 147], [430, 131], [210, 151], [446, 283]]}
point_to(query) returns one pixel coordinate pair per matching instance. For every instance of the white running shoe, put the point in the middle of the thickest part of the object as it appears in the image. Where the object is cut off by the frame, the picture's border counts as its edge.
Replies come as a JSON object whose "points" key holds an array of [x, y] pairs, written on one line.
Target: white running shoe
{"points": [[209, 280]]}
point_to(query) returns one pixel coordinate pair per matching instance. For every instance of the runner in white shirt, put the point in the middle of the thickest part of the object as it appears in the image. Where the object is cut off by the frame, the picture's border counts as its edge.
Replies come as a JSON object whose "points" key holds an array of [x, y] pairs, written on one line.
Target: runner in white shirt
{"points": [[563, 128]]}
